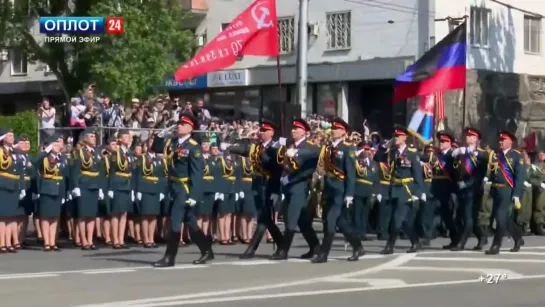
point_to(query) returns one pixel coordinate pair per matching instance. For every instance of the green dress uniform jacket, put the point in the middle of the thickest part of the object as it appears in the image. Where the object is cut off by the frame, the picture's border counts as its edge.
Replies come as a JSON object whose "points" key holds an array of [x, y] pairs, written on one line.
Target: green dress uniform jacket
{"points": [[246, 193], [11, 182], [52, 182], [26, 205], [87, 176], [121, 182], [536, 177], [367, 178], [212, 171], [227, 186], [382, 191], [150, 184]]}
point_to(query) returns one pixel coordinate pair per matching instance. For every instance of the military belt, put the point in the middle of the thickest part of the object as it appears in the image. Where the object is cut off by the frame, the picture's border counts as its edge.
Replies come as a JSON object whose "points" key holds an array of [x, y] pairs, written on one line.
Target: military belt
{"points": [[427, 180], [332, 175], [124, 175], [440, 177], [403, 181], [247, 179], [208, 178], [385, 182], [53, 177], [231, 178], [500, 185], [10, 176], [27, 178], [363, 181], [183, 181], [151, 178], [89, 174]]}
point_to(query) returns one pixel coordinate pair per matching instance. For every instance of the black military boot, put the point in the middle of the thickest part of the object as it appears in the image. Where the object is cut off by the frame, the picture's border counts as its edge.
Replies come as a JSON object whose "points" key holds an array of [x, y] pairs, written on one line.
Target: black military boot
{"points": [[324, 249], [254, 243], [205, 246], [313, 242], [483, 240], [518, 244], [357, 252], [539, 230], [415, 244], [281, 252], [169, 259], [390, 245], [462, 243], [496, 245]]}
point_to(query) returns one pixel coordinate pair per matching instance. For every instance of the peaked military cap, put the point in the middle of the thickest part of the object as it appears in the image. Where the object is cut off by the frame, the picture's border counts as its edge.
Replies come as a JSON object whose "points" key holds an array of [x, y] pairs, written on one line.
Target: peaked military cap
{"points": [[50, 140], [400, 130], [444, 136], [300, 123], [364, 145], [89, 130], [472, 131], [339, 123], [267, 125], [188, 118], [507, 135]]}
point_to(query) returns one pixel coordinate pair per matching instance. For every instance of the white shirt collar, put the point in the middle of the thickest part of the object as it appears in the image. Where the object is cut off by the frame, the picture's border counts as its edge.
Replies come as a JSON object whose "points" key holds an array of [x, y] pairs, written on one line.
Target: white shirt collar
{"points": [[300, 141], [266, 143], [90, 148], [151, 154], [124, 149], [336, 142], [445, 151], [182, 139], [506, 151], [402, 148]]}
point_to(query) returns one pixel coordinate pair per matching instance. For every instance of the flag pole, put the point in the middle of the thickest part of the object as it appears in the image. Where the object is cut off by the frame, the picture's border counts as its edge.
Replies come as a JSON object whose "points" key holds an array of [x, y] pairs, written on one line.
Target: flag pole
{"points": [[282, 102], [464, 90], [302, 60]]}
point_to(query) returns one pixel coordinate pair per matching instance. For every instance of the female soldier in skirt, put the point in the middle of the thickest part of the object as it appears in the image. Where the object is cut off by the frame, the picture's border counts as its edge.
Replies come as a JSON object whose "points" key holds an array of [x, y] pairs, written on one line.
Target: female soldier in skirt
{"points": [[11, 190], [52, 187], [206, 205], [103, 221], [247, 207], [26, 205], [226, 204], [150, 186]]}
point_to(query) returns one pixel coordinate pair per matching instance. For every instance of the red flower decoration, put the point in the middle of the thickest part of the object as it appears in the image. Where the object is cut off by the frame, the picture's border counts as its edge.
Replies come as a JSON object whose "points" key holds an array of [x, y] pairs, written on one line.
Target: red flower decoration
{"points": [[52, 160]]}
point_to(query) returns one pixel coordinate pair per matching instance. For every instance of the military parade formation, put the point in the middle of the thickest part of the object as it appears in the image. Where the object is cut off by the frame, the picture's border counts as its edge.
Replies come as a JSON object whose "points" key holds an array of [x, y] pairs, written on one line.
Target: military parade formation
{"points": [[183, 190]]}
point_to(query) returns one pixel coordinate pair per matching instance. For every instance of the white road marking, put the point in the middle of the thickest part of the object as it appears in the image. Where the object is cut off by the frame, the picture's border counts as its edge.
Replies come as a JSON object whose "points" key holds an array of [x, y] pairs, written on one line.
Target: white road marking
{"points": [[182, 267], [373, 282], [314, 293], [397, 261], [113, 271], [510, 274], [477, 259], [21, 276], [254, 262]]}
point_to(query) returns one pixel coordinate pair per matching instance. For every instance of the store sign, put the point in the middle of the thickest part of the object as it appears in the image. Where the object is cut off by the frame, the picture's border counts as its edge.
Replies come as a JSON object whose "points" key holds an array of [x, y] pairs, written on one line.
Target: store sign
{"points": [[194, 83], [225, 78]]}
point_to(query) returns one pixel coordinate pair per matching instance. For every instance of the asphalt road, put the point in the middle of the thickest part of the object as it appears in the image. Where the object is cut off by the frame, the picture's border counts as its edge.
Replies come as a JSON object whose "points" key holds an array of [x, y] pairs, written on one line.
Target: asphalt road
{"points": [[109, 278]]}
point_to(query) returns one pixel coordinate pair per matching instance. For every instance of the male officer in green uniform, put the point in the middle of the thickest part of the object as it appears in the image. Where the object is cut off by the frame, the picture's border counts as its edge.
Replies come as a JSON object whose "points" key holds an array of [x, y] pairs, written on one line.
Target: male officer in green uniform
{"points": [[406, 189], [367, 174], [185, 176], [339, 162], [299, 160], [426, 209], [507, 179], [524, 215], [537, 179], [267, 170], [471, 164], [383, 192]]}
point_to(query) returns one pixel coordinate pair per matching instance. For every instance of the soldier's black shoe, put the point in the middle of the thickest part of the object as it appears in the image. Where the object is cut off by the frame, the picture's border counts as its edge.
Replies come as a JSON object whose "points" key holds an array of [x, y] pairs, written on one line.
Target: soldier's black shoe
{"points": [[458, 248], [279, 254], [169, 259], [311, 253], [539, 230], [481, 244], [165, 262], [320, 258], [518, 244], [414, 248], [426, 242], [206, 256], [494, 250], [382, 237], [356, 254], [388, 250], [248, 254], [449, 246]]}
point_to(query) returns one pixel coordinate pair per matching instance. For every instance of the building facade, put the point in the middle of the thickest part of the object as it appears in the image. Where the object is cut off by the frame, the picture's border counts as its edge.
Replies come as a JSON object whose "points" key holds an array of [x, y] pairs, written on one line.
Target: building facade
{"points": [[355, 51], [506, 65]]}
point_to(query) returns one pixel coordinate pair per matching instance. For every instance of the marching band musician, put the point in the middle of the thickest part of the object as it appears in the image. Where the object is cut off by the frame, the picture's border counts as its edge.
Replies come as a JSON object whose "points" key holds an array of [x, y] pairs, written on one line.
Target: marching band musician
{"points": [[265, 183], [406, 189], [470, 164], [338, 159], [87, 180], [52, 185], [507, 178], [121, 187], [150, 181], [366, 181], [299, 161], [185, 175]]}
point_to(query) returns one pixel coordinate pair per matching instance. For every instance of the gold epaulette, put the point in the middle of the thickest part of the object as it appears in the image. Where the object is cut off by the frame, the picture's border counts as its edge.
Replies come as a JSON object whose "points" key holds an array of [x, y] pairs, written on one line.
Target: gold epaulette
{"points": [[347, 143], [192, 142], [517, 151], [411, 149], [481, 149]]}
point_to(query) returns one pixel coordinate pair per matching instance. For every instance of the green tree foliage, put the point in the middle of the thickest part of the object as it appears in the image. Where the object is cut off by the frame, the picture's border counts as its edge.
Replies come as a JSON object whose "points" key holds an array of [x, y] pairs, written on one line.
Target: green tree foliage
{"points": [[124, 65], [23, 124]]}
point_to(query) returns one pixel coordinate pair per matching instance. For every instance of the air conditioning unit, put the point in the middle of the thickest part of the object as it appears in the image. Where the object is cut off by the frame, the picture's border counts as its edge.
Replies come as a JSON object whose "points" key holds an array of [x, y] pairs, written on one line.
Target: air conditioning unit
{"points": [[200, 41], [313, 29]]}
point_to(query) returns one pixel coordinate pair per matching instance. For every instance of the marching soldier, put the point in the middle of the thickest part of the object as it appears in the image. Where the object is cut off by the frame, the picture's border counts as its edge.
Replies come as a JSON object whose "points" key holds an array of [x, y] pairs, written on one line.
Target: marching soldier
{"points": [[212, 169], [470, 163], [507, 180], [406, 189], [366, 181], [382, 191], [426, 210], [52, 183], [121, 187], [246, 197], [185, 176], [299, 160], [338, 159], [537, 179], [524, 215], [264, 157], [150, 184], [11, 192], [87, 182]]}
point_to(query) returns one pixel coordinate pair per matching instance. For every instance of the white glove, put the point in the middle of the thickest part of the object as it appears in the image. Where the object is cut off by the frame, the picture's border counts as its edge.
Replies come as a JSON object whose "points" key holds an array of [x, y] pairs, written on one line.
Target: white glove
{"points": [[282, 141], [76, 192], [224, 146], [456, 152], [62, 201], [462, 150], [285, 180], [100, 194], [461, 185], [348, 200], [191, 202], [379, 197], [543, 185], [35, 196], [274, 198], [515, 199], [161, 196], [241, 195], [221, 196], [423, 197], [283, 197], [534, 167], [422, 163], [527, 184], [413, 198], [139, 196], [216, 196], [470, 149], [22, 194], [236, 196], [485, 179], [68, 196], [132, 196], [111, 194], [291, 152]]}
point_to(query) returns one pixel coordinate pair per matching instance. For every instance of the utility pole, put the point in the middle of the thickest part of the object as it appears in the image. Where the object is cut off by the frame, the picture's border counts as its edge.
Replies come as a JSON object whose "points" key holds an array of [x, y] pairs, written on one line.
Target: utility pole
{"points": [[302, 60]]}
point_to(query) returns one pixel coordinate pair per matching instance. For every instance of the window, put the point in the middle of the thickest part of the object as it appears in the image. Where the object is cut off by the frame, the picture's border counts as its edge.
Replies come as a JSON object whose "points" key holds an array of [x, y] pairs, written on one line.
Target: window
{"points": [[338, 30], [479, 26], [432, 41], [18, 62], [532, 34], [286, 34]]}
